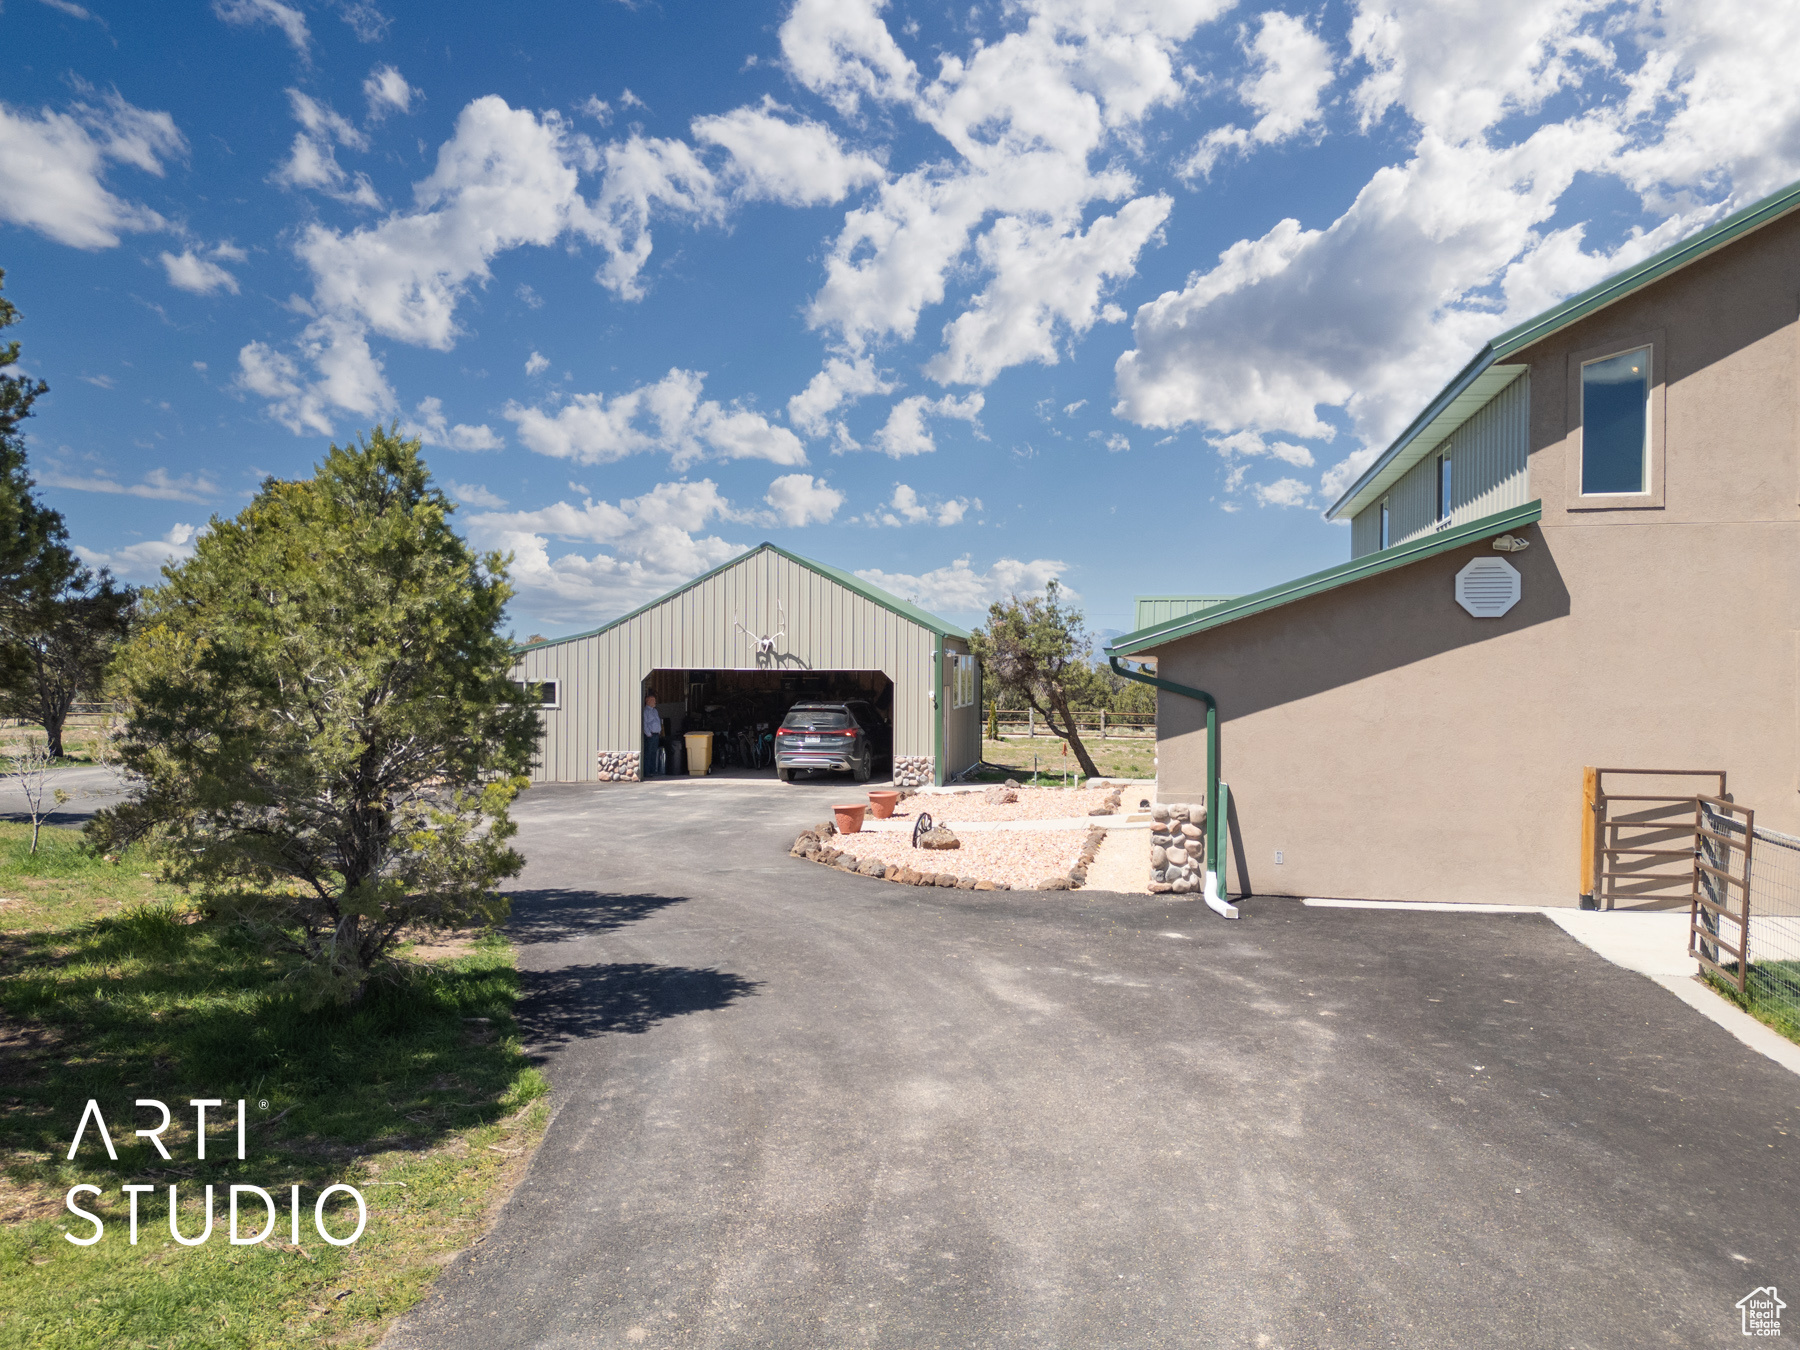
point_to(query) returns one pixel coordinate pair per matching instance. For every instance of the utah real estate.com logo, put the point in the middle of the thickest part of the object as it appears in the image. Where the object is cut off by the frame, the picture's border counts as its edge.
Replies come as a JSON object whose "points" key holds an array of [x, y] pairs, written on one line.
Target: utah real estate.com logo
{"points": [[1762, 1312]]}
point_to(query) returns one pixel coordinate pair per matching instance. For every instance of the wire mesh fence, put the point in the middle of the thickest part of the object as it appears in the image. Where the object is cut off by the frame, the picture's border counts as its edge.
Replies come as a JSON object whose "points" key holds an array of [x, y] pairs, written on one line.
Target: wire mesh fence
{"points": [[1771, 938]]}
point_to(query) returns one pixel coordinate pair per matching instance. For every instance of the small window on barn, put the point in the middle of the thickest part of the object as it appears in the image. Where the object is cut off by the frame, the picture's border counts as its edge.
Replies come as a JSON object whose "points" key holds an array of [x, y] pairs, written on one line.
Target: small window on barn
{"points": [[964, 693], [1446, 503], [542, 693], [1384, 526], [1615, 424]]}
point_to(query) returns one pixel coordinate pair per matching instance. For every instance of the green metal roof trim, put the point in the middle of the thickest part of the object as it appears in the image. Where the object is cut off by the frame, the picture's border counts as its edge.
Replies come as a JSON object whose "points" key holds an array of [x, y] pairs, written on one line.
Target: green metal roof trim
{"points": [[1152, 610], [1357, 569], [1572, 310], [874, 594]]}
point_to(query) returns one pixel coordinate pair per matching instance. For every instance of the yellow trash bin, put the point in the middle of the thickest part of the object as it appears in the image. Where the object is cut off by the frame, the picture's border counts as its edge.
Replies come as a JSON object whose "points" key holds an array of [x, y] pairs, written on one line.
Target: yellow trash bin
{"points": [[699, 752]]}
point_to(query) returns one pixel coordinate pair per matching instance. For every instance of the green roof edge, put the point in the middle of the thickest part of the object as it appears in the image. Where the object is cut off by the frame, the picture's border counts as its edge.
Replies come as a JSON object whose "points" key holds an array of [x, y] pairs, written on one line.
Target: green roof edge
{"points": [[1577, 307], [873, 594], [1357, 569]]}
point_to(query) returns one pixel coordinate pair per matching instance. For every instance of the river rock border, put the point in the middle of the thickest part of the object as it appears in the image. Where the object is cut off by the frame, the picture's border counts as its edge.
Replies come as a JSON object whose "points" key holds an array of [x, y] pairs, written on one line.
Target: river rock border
{"points": [[815, 845], [911, 771], [1177, 848], [619, 766]]}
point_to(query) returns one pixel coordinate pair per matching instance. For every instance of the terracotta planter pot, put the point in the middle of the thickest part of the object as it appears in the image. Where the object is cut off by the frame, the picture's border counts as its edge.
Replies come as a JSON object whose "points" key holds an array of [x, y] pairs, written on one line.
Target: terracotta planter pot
{"points": [[849, 818], [883, 803]]}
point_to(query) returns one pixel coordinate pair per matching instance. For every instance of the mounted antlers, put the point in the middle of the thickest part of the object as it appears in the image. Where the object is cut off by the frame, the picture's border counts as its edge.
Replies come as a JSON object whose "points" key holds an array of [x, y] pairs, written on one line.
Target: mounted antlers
{"points": [[765, 646]]}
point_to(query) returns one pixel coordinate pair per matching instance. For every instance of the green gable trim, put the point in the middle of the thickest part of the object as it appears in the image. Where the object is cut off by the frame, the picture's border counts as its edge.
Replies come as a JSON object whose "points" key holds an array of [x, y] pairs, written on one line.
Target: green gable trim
{"points": [[1357, 569], [1573, 310], [847, 580]]}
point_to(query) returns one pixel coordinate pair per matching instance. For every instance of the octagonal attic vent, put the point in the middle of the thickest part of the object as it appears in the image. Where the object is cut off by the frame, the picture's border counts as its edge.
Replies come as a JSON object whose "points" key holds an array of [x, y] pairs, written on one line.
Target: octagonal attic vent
{"points": [[1487, 587]]}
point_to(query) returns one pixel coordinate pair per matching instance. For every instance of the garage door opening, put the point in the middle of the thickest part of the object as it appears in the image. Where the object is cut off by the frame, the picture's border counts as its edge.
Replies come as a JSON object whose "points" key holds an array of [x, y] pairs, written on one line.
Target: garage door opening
{"points": [[742, 708]]}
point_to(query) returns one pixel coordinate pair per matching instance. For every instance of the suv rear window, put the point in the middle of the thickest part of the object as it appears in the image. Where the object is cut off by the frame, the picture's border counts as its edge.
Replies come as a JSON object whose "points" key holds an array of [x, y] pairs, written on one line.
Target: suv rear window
{"points": [[816, 719]]}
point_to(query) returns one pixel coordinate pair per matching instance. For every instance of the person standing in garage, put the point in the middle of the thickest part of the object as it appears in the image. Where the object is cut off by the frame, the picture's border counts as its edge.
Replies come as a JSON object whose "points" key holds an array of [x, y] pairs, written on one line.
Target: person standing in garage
{"points": [[653, 743]]}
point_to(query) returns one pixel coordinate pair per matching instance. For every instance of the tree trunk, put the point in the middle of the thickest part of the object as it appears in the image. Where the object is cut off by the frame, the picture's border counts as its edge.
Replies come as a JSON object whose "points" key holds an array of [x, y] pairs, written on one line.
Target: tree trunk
{"points": [[1072, 735]]}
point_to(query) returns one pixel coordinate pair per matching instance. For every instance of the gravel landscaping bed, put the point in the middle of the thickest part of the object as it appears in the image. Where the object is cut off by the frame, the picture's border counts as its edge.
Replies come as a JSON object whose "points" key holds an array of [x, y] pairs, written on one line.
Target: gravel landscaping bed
{"points": [[1032, 804], [1020, 859]]}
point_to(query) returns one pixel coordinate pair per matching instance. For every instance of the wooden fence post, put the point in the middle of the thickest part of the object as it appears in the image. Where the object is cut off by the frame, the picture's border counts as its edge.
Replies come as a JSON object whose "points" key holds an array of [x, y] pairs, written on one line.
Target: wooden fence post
{"points": [[1590, 802]]}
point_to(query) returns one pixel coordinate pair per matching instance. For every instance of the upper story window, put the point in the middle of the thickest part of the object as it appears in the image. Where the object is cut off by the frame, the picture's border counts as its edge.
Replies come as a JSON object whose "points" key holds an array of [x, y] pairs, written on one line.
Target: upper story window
{"points": [[1384, 527], [1615, 424], [1445, 502]]}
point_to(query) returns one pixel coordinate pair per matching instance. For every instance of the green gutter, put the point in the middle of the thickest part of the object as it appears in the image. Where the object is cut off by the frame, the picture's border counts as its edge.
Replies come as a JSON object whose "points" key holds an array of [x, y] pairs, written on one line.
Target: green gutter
{"points": [[1215, 801], [1357, 569]]}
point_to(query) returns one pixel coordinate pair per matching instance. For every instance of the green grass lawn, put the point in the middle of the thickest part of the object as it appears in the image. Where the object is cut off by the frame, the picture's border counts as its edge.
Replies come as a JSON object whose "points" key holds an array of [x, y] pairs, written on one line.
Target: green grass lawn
{"points": [[1115, 758], [1772, 995], [114, 987]]}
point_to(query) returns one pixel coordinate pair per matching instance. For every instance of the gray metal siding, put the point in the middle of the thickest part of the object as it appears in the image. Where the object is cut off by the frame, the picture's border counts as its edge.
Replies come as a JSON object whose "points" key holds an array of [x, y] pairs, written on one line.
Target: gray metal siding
{"points": [[1490, 457], [829, 627]]}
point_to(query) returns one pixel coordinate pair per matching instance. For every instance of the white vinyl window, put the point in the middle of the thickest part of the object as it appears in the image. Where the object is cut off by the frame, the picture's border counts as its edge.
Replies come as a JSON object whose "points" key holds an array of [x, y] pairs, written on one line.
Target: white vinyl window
{"points": [[964, 687]]}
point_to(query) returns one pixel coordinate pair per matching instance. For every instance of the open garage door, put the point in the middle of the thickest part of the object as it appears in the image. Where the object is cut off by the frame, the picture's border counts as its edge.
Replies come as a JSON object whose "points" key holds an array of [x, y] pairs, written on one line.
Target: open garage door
{"points": [[742, 708]]}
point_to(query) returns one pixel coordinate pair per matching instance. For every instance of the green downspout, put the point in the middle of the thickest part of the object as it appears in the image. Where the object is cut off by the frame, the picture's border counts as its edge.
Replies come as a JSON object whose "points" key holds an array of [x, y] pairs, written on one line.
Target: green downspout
{"points": [[937, 710], [1216, 832]]}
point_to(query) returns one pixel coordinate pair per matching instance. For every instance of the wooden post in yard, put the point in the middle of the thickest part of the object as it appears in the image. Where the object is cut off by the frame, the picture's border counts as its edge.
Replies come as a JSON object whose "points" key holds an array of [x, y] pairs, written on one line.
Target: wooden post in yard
{"points": [[1588, 888]]}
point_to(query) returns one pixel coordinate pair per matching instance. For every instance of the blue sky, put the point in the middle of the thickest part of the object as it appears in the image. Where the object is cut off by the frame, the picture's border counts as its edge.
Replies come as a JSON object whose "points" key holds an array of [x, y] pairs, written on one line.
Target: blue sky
{"points": [[960, 298]]}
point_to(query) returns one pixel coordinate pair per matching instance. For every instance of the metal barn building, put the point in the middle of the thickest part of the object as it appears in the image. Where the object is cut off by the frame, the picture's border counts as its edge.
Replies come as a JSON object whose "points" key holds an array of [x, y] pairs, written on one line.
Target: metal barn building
{"points": [[738, 647]]}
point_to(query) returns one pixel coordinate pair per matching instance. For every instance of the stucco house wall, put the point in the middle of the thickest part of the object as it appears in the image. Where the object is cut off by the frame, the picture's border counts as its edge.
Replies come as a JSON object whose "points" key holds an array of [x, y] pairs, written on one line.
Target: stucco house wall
{"points": [[1391, 746]]}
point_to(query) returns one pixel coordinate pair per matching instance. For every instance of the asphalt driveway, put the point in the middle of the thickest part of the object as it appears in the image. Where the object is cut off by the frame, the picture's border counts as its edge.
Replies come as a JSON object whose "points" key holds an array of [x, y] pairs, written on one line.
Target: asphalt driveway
{"points": [[797, 1108]]}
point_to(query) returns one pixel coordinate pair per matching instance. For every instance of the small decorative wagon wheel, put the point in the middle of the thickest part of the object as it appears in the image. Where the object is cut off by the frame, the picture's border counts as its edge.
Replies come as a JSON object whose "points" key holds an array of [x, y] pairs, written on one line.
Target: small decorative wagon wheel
{"points": [[921, 826]]}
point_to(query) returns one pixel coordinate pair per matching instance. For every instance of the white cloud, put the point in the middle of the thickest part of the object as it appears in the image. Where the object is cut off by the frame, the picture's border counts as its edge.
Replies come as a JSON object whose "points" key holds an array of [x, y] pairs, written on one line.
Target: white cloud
{"points": [[190, 273], [667, 416], [645, 176], [51, 165], [145, 560], [246, 13], [1282, 492], [800, 499], [960, 589], [1048, 282], [798, 163], [312, 160], [158, 485], [905, 433], [906, 507], [365, 20], [349, 376], [1293, 66], [1036, 121], [838, 383], [1693, 109], [432, 427], [651, 544], [473, 494], [387, 91], [536, 364]]}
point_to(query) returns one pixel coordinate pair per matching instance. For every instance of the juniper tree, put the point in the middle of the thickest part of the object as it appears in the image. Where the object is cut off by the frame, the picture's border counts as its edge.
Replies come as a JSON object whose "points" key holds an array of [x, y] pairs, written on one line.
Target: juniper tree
{"points": [[1038, 650], [59, 619], [319, 709]]}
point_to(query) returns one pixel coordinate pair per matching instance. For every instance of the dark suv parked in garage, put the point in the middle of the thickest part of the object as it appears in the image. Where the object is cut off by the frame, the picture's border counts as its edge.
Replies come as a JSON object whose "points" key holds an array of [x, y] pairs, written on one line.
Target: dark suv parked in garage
{"points": [[850, 735]]}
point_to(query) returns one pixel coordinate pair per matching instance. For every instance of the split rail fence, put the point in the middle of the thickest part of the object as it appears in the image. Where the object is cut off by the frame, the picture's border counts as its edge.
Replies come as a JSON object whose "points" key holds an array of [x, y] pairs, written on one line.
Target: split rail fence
{"points": [[1102, 724]]}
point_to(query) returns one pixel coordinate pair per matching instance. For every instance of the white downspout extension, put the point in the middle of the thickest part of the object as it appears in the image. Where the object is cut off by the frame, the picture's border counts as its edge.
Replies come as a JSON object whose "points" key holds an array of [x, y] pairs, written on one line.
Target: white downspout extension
{"points": [[1213, 892], [1214, 895]]}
